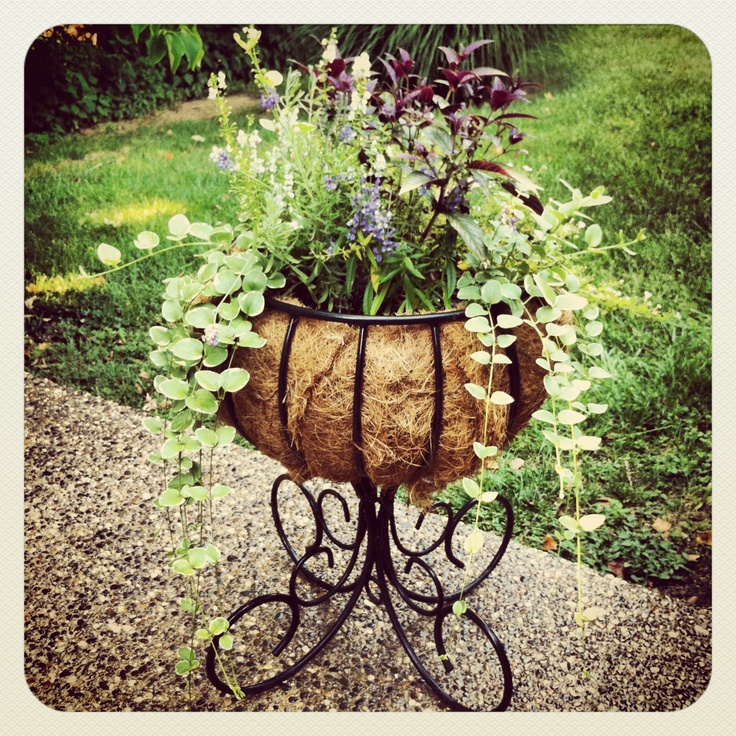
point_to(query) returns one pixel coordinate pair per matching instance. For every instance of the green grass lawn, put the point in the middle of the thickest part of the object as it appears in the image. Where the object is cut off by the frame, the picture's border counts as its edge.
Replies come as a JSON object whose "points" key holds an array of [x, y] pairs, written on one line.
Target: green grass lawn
{"points": [[623, 106], [629, 108]]}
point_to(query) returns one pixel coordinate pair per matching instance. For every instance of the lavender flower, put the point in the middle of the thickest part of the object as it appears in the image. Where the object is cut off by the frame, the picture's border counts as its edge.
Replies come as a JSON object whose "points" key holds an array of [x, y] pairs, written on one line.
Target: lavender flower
{"points": [[371, 219], [270, 101], [330, 183], [222, 160], [347, 134], [211, 335]]}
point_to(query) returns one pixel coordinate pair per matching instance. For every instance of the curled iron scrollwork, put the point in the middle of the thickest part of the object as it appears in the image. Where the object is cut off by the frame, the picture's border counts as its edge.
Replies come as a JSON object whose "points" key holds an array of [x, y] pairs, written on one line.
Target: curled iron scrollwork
{"points": [[377, 560]]}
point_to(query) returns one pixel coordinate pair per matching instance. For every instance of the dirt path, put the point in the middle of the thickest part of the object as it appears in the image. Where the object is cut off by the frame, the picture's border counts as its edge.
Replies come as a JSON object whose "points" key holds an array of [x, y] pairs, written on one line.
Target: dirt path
{"points": [[202, 109]]}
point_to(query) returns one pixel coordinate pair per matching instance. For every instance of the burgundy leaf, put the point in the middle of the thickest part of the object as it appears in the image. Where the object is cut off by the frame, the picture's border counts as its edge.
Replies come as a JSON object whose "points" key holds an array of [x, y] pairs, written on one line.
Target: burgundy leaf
{"points": [[389, 70], [452, 56], [336, 68], [507, 115], [487, 71], [450, 76], [472, 47], [530, 200], [515, 137], [463, 77], [489, 166]]}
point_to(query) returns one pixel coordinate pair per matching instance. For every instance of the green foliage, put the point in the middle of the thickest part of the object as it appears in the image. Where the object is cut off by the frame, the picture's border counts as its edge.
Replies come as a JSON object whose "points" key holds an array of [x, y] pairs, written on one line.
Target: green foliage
{"points": [[640, 120], [509, 50], [77, 76], [174, 42], [654, 417]]}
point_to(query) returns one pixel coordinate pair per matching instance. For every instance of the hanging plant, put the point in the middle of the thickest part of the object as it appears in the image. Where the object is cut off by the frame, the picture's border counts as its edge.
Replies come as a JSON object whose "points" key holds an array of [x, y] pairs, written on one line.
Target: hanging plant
{"points": [[364, 189]]}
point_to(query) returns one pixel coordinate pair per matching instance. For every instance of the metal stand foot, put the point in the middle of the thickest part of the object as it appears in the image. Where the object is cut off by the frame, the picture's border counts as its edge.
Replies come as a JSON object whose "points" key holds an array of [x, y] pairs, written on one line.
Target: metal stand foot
{"points": [[371, 561]]}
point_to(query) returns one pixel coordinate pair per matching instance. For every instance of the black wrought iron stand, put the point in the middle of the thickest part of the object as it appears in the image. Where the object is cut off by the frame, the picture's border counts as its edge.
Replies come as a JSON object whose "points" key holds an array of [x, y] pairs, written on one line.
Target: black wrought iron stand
{"points": [[376, 545]]}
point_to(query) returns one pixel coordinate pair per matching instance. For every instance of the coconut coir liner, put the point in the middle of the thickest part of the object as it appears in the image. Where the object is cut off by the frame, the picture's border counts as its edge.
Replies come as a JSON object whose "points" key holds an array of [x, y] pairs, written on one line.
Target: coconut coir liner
{"points": [[398, 401]]}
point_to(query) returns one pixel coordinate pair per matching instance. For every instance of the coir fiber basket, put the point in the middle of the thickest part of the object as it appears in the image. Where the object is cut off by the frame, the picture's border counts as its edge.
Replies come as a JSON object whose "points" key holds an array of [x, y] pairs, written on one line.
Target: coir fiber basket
{"points": [[346, 398]]}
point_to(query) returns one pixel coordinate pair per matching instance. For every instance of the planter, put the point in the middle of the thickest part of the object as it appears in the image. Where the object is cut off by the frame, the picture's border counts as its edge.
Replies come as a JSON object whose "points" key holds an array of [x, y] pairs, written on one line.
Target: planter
{"points": [[346, 398]]}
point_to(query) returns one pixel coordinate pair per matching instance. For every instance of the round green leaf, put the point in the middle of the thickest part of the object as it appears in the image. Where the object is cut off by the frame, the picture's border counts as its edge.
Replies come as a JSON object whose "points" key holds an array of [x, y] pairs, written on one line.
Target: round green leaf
{"points": [[174, 388], [252, 303], [179, 226], [181, 421], [597, 372], [593, 235], [159, 358], [219, 490], [543, 415], [207, 436], [214, 356], [226, 642], [471, 487], [200, 317], [459, 607], [197, 558], [546, 290], [229, 310], [219, 625], [147, 240], [160, 335], [490, 292], [508, 321], [589, 522], [171, 310], [501, 398], [225, 435], [475, 390], [482, 357], [474, 542], [468, 293], [200, 230], [153, 424], [183, 567], [569, 523], [548, 314], [209, 380], [587, 442], [233, 379], [212, 554], [171, 448], [226, 281], [170, 497], [202, 401], [478, 324], [551, 385], [570, 416], [571, 302], [510, 291], [251, 340], [108, 254], [276, 281], [198, 493], [572, 282], [475, 310], [505, 340], [188, 349], [254, 280]]}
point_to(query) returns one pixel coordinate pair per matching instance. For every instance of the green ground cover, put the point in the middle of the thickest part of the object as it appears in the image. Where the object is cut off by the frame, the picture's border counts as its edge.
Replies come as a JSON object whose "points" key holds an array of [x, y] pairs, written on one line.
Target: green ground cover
{"points": [[623, 106]]}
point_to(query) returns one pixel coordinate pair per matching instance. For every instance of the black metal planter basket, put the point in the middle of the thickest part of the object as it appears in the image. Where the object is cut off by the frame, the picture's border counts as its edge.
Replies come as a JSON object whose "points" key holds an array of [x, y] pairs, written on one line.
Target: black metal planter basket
{"points": [[374, 559]]}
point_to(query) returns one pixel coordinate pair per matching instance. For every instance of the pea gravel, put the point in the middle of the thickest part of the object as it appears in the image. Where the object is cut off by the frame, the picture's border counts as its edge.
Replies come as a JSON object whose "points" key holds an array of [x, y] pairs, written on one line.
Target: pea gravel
{"points": [[103, 622]]}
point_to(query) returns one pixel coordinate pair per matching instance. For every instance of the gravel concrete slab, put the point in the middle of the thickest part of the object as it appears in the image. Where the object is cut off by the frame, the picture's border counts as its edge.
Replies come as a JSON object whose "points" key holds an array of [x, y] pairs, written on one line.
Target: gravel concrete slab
{"points": [[102, 618]]}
